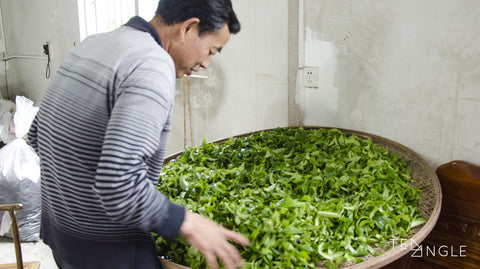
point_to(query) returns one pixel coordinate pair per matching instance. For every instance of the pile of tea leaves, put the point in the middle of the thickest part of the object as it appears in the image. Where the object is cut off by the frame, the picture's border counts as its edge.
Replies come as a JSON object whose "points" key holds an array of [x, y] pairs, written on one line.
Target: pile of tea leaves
{"points": [[303, 197]]}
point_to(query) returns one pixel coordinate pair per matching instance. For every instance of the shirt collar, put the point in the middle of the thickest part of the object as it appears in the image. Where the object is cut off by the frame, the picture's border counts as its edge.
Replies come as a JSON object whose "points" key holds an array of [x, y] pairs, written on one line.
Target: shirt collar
{"points": [[139, 23]]}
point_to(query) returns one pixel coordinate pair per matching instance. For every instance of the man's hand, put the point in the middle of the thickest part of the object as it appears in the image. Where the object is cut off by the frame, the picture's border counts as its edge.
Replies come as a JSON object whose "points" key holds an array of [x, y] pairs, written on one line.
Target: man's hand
{"points": [[212, 240]]}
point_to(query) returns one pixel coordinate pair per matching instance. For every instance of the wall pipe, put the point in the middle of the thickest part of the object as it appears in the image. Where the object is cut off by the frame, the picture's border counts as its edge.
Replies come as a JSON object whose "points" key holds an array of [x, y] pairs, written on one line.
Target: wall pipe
{"points": [[4, 47], [3, 28], [301, 34], [10, 57]]}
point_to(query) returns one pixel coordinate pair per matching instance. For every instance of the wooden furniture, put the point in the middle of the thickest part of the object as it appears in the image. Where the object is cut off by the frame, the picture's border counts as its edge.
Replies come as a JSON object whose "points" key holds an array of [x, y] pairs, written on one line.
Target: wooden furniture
{"points": [[455, 240], [16, 236], [11, 208]]}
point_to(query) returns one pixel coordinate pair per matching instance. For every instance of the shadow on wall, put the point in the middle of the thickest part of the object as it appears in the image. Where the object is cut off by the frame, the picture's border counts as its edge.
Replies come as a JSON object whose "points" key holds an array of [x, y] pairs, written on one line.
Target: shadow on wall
{"points": [[202, 98], [206, 94]]}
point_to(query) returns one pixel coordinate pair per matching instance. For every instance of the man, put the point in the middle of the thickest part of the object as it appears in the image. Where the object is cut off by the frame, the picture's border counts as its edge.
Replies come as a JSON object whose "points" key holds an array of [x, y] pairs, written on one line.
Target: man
{"points": [[101, 134]]}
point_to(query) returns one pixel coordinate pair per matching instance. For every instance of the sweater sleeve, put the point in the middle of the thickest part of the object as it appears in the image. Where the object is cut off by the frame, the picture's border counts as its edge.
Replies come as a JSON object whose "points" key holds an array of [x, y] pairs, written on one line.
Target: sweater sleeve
{"points": [[134, 145]]}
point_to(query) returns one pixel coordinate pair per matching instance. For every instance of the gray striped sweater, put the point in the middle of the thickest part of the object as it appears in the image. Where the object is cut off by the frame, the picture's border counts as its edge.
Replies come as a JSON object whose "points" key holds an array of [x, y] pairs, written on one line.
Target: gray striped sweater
{"points": [[101, 135]]}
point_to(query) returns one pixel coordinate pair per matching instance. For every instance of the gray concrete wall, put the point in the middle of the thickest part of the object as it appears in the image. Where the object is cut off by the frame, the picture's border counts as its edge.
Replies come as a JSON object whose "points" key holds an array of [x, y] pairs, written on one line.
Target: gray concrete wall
{"points": [[406, 70], [246, 88], [29, 24]]}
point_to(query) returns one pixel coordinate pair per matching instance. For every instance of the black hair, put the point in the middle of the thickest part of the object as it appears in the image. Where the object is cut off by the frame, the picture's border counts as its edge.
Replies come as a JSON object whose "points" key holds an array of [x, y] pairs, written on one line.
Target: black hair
{"points": [[213, 14]]}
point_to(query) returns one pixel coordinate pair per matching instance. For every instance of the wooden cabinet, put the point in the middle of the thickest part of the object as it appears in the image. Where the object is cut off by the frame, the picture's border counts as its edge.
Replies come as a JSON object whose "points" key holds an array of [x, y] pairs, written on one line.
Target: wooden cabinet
{"points": [[455, 240]]}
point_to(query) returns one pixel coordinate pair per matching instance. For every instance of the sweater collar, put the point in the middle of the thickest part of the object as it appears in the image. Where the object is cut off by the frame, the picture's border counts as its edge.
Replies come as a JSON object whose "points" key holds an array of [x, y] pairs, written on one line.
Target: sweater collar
{"points": [[139, 23]]}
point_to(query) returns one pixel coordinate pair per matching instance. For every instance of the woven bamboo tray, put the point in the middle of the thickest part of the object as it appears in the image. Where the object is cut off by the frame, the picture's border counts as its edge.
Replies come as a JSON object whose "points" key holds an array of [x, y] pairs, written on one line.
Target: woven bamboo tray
{"points": [[429, 205]]}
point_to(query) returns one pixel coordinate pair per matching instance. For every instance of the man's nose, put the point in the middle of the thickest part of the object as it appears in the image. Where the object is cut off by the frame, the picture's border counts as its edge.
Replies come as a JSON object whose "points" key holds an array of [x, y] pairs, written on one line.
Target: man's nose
{"points": [[205, 64]]}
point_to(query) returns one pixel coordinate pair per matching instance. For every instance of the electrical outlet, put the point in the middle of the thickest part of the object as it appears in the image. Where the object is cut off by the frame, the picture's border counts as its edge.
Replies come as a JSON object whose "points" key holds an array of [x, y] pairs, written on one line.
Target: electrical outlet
{"points": [[311, 77]]}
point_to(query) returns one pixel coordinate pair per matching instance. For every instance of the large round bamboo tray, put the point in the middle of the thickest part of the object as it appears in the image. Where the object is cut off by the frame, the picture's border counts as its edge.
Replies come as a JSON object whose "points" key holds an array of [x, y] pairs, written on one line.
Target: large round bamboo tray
{"points": [[429, 205]]}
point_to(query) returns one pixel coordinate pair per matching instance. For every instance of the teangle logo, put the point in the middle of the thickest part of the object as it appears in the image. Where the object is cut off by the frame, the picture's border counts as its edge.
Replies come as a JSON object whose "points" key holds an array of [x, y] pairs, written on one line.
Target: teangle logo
{"points": [[418, 251]]}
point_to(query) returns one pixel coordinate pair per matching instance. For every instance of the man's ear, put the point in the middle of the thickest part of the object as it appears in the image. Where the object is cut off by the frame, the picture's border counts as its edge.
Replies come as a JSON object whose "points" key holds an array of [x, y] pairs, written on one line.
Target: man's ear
{"points": [[189, 25]]}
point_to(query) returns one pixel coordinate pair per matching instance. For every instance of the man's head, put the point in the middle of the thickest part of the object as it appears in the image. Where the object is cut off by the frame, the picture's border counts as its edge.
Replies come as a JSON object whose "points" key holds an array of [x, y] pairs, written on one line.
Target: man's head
{"points": [[199, 29], [213, 14]]}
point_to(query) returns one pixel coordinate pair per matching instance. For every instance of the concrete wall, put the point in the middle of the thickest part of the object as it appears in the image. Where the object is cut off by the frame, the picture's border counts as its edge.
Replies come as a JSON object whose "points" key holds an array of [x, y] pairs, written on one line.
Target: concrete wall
{"points": [[405, 70], [246, 88], [29, 24]]}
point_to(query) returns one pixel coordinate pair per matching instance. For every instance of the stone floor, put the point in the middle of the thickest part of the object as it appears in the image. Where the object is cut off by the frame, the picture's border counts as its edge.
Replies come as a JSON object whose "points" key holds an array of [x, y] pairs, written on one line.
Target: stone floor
{"points": [[31, 252]]}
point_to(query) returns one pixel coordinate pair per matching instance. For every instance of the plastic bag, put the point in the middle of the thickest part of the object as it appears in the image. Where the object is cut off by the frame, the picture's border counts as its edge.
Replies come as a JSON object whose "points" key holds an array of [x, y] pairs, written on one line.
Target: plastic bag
{"points": [[20, 174], [7, 108]]}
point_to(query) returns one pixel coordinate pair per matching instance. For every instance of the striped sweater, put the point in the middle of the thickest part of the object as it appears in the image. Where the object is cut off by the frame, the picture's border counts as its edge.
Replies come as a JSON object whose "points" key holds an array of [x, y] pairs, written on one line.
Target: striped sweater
{"points": [[101, 135]]}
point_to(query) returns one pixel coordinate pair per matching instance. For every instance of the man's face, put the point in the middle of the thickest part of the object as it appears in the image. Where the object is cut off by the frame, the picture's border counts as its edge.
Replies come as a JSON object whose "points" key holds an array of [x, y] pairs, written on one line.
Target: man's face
{"points": [[195, 51]]}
